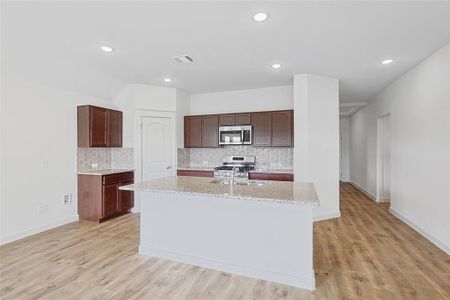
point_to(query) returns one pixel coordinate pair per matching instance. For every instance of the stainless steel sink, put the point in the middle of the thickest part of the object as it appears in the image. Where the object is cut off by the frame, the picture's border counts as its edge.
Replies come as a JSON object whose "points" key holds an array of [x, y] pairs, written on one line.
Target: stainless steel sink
{"points": [[240, 182]]}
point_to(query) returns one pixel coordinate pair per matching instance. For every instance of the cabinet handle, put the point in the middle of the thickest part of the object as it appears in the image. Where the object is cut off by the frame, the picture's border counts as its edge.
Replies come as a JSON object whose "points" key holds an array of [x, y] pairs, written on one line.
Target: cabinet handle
{"points": [[168, 167]]}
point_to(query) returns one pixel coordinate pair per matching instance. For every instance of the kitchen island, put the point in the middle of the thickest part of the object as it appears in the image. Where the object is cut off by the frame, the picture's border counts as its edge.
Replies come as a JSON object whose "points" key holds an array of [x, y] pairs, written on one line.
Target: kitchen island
{"points": [[260, 229]]}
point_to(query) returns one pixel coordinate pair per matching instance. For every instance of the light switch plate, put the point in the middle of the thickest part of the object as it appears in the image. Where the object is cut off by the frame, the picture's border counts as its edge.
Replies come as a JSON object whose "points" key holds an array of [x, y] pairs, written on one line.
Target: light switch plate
{"points": [[44, 163]]}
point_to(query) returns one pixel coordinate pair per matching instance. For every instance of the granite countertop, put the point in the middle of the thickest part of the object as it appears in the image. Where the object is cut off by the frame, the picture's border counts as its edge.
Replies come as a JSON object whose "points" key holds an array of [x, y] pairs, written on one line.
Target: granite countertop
{"points": [[259, 170], [297, 193], [104, 172]]}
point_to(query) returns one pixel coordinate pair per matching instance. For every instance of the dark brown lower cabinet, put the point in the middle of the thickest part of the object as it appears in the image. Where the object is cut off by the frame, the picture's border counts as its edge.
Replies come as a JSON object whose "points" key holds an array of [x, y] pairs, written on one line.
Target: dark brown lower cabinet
{"points": [[126, 199], [110, 200], [195, 173], [99, 197], [271, 176]]}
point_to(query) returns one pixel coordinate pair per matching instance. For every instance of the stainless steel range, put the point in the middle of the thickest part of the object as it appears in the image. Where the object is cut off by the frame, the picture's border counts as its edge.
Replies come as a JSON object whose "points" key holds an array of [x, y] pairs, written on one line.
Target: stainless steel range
{"points": [[239, 165]]}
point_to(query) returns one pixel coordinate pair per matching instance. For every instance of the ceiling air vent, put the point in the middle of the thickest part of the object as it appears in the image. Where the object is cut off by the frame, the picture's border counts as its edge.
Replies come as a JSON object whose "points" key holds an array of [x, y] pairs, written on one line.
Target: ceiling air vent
{"points": [[183, 59]]}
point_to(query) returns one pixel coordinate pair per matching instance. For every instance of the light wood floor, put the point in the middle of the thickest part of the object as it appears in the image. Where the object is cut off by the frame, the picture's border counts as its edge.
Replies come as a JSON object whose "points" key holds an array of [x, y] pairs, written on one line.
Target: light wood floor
{"points": [[366, 254]]}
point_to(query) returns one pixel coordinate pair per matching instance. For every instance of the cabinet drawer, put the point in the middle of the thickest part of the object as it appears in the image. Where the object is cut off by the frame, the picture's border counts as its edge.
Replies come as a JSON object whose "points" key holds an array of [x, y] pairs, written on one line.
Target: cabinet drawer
{"points": [[195, 173], [113, 178], [272, 176]]}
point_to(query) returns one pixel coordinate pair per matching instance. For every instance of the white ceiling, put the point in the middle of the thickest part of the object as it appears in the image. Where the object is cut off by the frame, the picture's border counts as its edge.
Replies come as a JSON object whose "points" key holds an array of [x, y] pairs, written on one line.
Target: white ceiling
{"points": [[58, 42]]}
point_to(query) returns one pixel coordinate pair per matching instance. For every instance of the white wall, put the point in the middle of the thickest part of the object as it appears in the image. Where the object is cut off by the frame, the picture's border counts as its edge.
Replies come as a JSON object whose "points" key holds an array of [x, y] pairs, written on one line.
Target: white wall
{"points": [[316, 149], [344, 136], [271, 98], [38, 123], [419, 107], [183, 107], [142, 97]]}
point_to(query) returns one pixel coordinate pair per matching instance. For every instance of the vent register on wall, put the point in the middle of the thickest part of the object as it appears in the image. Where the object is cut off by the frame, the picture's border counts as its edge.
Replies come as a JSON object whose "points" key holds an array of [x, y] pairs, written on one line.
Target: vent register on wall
{"points": [[260, 129], [99, 197]]}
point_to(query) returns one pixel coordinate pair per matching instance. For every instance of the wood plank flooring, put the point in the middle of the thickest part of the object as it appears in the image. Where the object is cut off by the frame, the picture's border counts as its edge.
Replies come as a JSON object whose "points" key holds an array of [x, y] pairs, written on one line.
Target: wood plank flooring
{"points": [[365, 254]]}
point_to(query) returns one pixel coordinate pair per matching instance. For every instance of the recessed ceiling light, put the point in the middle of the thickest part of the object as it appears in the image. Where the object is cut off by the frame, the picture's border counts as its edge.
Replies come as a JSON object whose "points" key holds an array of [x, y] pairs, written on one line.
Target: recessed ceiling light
{"points": [[167, 79], [386, 61], [260, 17], [276, 66], [107, 49]]}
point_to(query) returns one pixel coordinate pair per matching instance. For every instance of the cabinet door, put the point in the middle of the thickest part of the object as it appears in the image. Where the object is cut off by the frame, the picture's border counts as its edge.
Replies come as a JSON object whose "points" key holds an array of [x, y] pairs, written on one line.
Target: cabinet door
{"points": [[110, 199], [114, 128], [98, 125], [243, 119], [126, 198], [282, 129], [210, 131], [192, 131], [227, 120], [262, 129]]}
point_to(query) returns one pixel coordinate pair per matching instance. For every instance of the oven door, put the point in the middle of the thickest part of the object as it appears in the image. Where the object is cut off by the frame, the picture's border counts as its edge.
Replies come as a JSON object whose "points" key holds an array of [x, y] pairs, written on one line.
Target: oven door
{"points": [[230, 136]]}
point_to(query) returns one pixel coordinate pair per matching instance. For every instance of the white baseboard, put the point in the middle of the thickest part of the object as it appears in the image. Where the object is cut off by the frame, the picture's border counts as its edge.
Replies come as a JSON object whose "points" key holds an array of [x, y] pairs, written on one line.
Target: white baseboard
{"points": [[421, 231], [36, 230], [364, 191], [289, 279], [322, 217]]}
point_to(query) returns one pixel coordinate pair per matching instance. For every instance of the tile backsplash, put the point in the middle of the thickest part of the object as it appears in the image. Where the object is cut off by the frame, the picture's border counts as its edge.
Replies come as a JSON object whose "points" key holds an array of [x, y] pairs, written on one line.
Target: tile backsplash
{"points": [[266, 158], [123, 158], [106, 158]]}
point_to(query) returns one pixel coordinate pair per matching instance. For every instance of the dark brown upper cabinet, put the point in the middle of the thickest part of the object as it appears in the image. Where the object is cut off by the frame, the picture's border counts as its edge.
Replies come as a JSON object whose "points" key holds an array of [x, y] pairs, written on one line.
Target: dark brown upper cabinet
{"points": [[244, 119], [262, 129], [193, 132], [235, 119], [99, 127], [210, 131], [270, 128], [227, 120], [282, 128], [114, 128]]}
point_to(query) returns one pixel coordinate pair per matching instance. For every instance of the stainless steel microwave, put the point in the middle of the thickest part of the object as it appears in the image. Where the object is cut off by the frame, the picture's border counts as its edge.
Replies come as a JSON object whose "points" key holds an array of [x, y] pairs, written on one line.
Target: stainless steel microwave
{"points": [[235, 135]]}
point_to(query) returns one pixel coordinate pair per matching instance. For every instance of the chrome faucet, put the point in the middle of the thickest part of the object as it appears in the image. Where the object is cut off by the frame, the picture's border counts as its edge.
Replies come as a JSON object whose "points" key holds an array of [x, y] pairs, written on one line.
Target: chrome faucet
{"points": [[233, 173]]}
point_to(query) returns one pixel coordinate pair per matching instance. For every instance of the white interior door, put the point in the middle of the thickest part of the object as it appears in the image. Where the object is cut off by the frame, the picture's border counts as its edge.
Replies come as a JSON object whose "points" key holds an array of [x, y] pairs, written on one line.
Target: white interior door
{"points": [[156, 147]]}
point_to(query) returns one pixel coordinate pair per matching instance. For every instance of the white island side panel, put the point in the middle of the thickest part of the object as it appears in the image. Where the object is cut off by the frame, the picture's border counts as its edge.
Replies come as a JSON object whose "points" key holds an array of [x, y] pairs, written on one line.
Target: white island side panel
{"points": [[261, 239]]}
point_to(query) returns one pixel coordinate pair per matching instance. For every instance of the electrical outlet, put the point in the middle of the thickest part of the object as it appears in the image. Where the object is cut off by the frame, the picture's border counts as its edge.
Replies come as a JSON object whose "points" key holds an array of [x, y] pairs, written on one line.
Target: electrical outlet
{"points": [[94, 165], [67, 199], [43, 209]]}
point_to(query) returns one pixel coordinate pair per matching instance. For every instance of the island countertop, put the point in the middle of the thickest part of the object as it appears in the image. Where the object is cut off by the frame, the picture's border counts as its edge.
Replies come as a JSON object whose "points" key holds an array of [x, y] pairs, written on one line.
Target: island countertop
{"points": [[299, 193]]}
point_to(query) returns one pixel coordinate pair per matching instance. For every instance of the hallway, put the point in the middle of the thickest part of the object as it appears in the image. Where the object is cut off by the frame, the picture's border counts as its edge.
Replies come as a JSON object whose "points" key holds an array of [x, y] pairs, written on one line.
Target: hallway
{"points": [[370, 254], [366, 254]]}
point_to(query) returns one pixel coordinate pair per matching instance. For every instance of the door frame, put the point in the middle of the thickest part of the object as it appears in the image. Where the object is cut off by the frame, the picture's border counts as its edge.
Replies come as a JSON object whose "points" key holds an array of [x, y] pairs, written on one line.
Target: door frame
{"points": [[380, 158], [140, 114]]}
